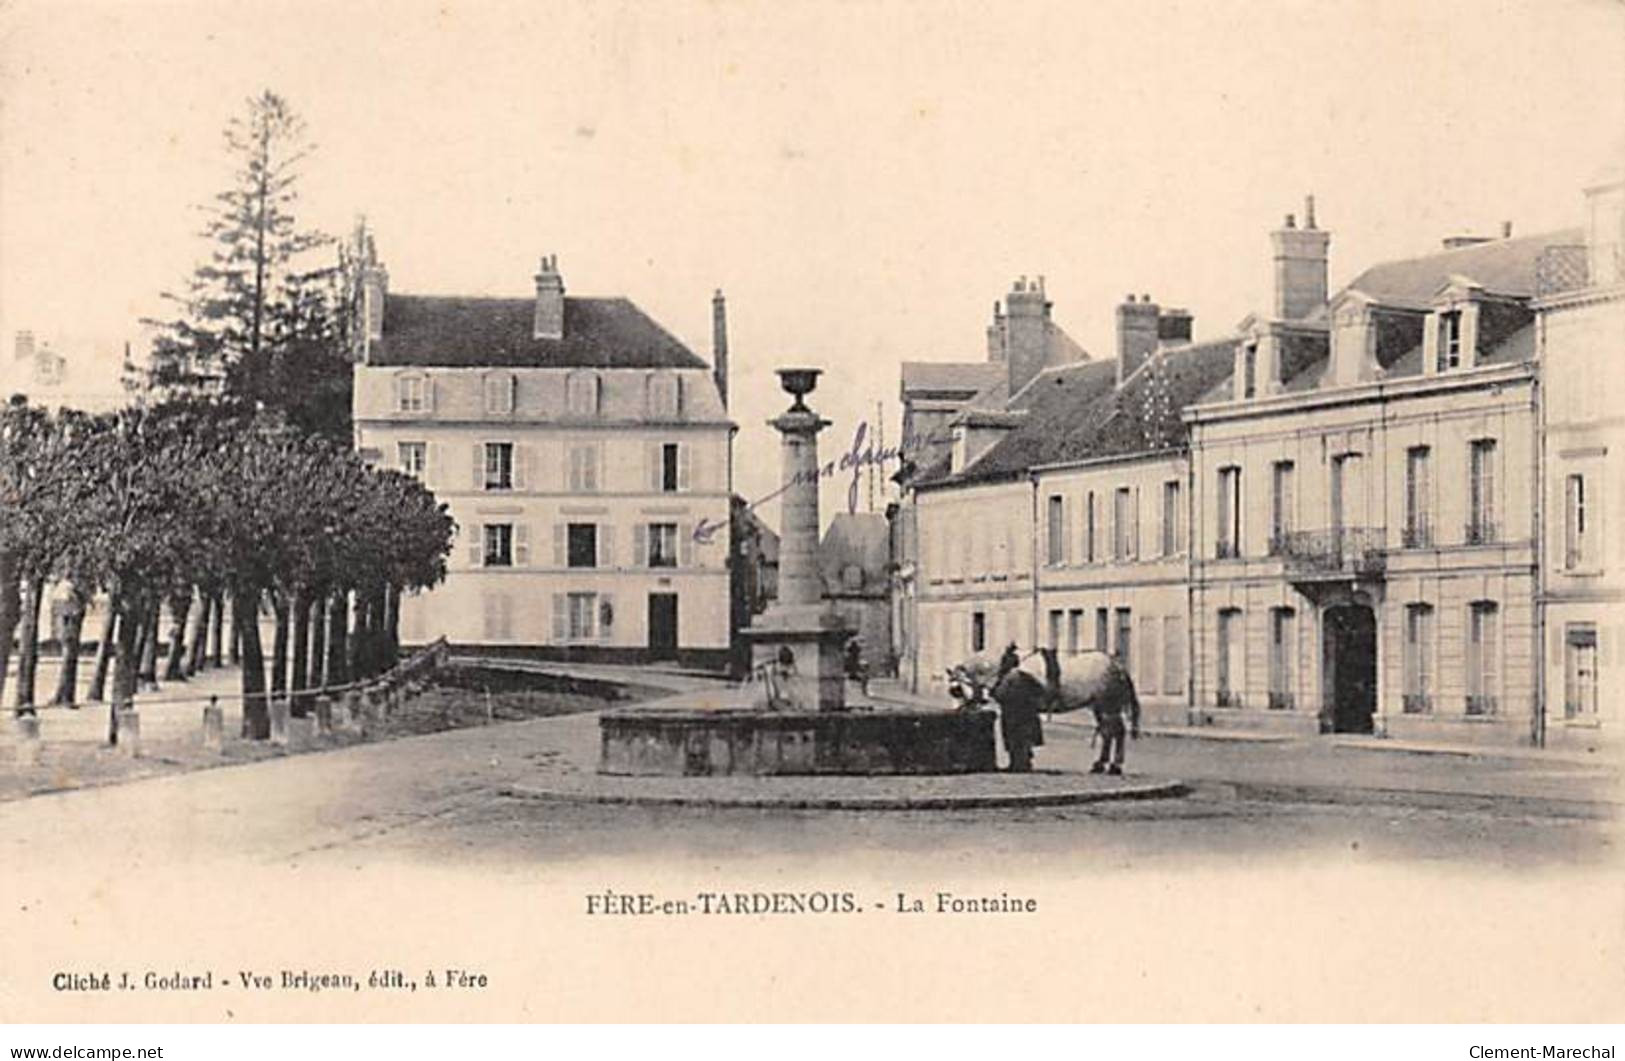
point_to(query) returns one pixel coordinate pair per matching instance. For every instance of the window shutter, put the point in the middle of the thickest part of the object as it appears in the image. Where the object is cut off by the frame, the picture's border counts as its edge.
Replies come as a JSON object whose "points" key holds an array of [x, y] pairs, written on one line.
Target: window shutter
{"points": [[1489, 483], [1111, 525], [400, 394], [606, 616], [685, 459], [561, 619], [428, 394], [606, 545], [640, 545], [1134, 525], [521, 544], [1066, 529], [559, 540], [479, 466], [685, 544], [430, 459], [521, 466], [476, 544], [513, 393], [651, 463]]}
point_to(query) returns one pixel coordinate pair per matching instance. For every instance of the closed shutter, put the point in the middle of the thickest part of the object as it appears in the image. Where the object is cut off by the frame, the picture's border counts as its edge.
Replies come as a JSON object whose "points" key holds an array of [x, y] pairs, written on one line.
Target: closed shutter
{"points": [[695, 476], [606, 545], [1134, 525], [640, 545], [1112, 543], [1066, 530], [513, 394], [428, 394], [591, 468], [477, 479], [521, 467], [560, 539], [652, 466], [476, 544], [521, 544], [685, 545], [430, 460], [606, 616], [685, 458], [561, 619]]}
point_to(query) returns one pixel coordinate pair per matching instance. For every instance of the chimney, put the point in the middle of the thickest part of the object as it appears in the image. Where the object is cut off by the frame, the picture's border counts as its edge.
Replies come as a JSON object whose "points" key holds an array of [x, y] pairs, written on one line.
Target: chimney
{"points": [[719, 344], [1026, 330], [1300, 265], [549, 300], [374, 288], [1173, 327], [25, 346], [1137, 329], [997, 337]]}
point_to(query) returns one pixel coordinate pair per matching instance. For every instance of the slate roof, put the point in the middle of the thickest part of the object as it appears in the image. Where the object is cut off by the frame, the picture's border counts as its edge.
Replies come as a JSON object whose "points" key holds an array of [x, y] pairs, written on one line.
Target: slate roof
{"points": [[1503, 266], [452, 332], [958, 376]]}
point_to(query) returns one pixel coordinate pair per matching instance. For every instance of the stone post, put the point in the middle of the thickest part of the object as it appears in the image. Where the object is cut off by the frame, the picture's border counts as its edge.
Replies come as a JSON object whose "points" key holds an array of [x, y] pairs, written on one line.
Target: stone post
{"points": [[214, 725], [324, 715], [28, 740], [279, 722], [129, 733]]}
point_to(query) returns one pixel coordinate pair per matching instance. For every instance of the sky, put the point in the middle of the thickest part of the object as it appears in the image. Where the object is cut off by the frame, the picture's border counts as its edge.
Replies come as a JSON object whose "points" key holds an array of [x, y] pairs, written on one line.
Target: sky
{"points": [[862, 179]]}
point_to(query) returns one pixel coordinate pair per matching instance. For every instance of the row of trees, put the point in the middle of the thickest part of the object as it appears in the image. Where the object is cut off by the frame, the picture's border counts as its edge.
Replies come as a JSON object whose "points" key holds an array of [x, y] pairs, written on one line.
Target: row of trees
{"points": [[188, 506], [229, 479]]}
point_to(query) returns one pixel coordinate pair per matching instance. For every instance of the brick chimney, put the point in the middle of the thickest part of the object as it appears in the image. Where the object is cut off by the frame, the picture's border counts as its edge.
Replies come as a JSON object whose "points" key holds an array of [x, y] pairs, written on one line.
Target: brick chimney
{"points": [[1173, 327], [719, 344], [549, 300], [1026, 331], [1300, 265], [1137, 330]]}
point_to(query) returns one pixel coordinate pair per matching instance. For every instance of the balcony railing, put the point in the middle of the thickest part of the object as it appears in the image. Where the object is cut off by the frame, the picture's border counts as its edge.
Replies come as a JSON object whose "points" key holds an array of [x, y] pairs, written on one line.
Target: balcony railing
{"points": [[1562, 267], [1224, 550], [1335, 551], [1417, 537], [1480, 704], [1281, 701], [1480, 532], [1227, 698], [1418, 704]]}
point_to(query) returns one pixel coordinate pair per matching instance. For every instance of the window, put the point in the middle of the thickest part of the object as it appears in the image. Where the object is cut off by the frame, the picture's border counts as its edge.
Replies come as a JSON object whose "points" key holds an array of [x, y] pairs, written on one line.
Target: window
{"points": [[500, 388], [1481, 492], [1074, 631], [499, 545], [1173, 523], [499, 465], [1229, 529], [414, 458], [1347, 494], [1281, 482], [1449, 340], [583, 616], [584, 468], [1126, 525], [1283, 651], [1103, 633], [662, 545], [1125, 639], [1418, 523], [1580, 672], [1228, 658], [978, 631], [1249, 370], [1418, 661], [1057, 529], [1483, 674], [1090, 553], [1173, 654], [582, 394], [1576, 551], [668, 466], [411, 393], [581, 548], [1054, 628]]}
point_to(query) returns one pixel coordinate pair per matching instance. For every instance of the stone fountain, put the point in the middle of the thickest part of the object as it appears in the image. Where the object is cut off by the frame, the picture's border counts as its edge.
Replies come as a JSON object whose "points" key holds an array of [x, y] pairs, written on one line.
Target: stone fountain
{"points": [[793, 717]]}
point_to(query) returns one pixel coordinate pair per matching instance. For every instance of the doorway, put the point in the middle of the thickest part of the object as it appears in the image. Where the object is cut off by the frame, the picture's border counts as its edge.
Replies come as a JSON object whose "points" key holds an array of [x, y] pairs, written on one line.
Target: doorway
{"points": [[663, 625], [1349, 652]]}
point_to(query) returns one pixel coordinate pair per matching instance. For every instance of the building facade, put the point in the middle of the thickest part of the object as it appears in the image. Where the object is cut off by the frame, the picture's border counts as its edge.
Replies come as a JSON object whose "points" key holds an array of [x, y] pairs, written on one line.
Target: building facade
{"points": [[585, 455]]}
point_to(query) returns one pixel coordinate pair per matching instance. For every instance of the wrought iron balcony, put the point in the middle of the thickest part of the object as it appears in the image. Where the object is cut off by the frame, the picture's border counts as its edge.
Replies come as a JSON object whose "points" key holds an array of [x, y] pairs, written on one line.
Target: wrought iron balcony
{"points": [[1480, 704], [1225, 550], [1226, 698], [1281, 701], [1337, 552], [1418, 704], [1417, 537], [1480, 532]]}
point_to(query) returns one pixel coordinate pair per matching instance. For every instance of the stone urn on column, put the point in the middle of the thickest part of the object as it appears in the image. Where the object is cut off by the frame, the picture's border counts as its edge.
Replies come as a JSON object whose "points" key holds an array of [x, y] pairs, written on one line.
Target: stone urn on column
{"points": [[800, 625]]}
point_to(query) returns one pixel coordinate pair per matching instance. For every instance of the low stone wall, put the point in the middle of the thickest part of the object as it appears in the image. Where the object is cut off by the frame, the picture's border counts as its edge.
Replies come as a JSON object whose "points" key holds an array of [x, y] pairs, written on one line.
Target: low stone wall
{"points": [[677, 743]]}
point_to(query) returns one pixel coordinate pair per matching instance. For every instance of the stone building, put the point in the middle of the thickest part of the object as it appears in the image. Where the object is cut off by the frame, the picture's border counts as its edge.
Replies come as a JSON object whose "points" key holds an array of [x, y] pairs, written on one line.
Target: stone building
{"points": [[854, 560], [584, 452], [1580, 307]]}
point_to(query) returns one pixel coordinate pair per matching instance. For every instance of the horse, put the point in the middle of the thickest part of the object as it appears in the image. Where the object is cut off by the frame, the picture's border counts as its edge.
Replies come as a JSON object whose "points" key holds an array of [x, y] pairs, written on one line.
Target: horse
{"points": [[1046, 681]]}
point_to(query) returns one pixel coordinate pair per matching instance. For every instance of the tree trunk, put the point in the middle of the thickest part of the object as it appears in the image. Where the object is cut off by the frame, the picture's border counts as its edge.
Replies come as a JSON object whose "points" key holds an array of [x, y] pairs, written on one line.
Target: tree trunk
{"points": [[318, 640], [298, 680], [200, 636], [149, 646], [180, 605], [256, 712], [28, 646], [10, 611], [234, 649], [73, 624], [126, 663], [338, 621], [217, 620], [392, 626], [279, 647], [104, 652]]}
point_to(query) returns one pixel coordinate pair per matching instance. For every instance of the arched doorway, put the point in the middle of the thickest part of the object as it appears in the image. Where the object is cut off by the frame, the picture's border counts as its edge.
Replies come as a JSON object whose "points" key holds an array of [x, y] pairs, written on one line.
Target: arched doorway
{"points": [[1349, 671]]}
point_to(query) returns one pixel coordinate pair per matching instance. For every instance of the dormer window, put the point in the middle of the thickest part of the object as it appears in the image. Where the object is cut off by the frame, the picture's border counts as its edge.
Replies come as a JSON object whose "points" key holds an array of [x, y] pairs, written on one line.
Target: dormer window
{"points": [[412, 394], [665, 396], [1449, 340], [1249, 371], [501, 389], [583, 393]]}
